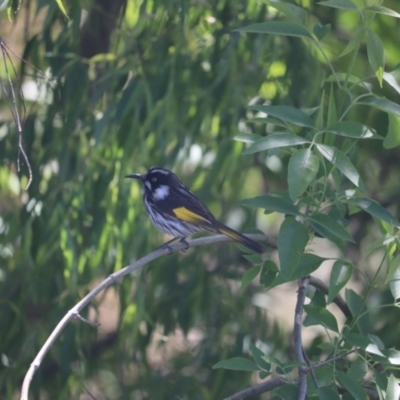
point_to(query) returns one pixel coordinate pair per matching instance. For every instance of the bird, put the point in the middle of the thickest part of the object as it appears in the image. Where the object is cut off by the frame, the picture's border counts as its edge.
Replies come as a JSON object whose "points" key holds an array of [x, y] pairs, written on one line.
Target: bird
{"points": [[176, 211]]}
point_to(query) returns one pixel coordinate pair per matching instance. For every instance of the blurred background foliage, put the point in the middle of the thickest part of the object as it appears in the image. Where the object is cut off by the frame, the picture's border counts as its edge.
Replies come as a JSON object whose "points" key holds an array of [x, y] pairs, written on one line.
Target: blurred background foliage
{"points": [[130, 84]]}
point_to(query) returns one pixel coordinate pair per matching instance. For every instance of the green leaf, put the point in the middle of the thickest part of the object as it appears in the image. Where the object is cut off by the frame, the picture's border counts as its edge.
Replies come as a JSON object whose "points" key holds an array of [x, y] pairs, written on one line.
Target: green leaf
{"points": [[381, 241], [352, 386], [328, 227], [247, 137], [383, 10], [277, 28], [392, 138], [302, 169], [287, 391], [308, 263], [320, 316], [354, 43], [272, 203], [258, 356], [62, 8], [382, 104], [393, 267], [237, 363], [320, 31], [360, 341], [393, 389], [249, 275], [340, 275], [343, 164], [292, 240], [319, 121], [342, 4], [292, 12], [375, 209], [358, 369], [376, 55], [354, 130], [372, 348], [286, 113], [393, 356], [394, 285], [328, 393], [274, 141], [358, 310], [332, 112], [393, 79]]}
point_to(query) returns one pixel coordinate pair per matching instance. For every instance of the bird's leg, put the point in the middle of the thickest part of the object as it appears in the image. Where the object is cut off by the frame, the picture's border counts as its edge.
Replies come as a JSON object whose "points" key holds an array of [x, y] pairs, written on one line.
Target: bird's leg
{"points": [[169, 248], [183, 240]]}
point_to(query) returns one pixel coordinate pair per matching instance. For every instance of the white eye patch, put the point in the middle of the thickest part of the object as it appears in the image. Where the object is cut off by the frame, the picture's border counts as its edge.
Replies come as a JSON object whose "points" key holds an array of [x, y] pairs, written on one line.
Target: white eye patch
{"points": [[161, 192], [148, 184]]}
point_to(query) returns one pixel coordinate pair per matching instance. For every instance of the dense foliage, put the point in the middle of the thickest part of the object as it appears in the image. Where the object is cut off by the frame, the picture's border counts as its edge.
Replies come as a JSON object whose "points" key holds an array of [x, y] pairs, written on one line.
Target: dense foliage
{"points": [[311, 98]]}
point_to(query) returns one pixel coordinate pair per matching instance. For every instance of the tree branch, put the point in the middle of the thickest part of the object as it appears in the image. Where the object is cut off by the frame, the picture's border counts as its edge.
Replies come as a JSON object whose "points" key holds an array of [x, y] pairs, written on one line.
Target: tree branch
{"points": [[73, 312], [298, 344]]}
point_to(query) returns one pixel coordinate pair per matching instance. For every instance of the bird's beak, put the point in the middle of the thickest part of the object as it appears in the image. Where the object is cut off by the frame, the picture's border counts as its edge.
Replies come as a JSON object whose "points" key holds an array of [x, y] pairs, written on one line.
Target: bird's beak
{"points": [[135, 176]]}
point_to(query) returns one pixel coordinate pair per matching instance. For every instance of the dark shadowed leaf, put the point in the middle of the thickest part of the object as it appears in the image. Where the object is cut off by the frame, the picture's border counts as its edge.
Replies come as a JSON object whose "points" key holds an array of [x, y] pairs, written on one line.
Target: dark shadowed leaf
{"points": [[292, 240], [320, 316], [303, 167], [272, 203], [352, 386], [340, 275], [237, 363]]}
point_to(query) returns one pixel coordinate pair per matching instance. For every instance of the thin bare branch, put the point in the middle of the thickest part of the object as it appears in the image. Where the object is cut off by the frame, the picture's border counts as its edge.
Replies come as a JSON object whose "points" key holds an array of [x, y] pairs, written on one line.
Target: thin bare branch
{"points": [[137, 265]]}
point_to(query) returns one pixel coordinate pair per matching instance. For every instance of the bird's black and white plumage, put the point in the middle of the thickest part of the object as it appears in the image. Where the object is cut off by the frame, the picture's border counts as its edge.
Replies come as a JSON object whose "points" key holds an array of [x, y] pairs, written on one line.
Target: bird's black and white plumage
{"points": [[175, 210]]}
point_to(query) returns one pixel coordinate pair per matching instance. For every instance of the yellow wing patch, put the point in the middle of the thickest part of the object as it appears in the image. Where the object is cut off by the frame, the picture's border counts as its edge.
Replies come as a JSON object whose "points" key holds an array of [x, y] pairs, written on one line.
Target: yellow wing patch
{"points": [[189, 216]]}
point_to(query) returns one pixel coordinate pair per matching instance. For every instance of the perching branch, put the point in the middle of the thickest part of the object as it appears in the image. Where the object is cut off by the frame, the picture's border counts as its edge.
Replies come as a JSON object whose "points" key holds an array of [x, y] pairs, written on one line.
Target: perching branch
{"points": [[137, 265]]}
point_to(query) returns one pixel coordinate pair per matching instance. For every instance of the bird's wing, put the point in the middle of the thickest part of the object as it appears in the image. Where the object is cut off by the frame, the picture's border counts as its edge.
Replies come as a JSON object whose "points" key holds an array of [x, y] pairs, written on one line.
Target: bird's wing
{"points": [[185, 206]]}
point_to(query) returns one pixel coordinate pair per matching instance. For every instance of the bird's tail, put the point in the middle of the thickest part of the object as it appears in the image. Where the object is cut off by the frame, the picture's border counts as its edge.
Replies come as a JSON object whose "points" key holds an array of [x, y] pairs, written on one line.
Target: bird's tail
{"points": [[238, 237]]}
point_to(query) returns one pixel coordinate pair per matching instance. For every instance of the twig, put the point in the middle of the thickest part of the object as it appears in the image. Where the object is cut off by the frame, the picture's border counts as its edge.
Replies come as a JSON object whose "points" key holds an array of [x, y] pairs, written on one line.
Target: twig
{"points": [[86, 321], [310, 369], [74, 311], [298, 344], [274, 383], [329, 360], [338, 300]]}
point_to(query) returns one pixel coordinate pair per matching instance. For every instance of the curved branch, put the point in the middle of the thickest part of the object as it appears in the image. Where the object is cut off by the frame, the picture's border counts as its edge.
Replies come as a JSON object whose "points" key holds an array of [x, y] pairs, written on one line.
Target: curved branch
{"points": [[73, 312]]}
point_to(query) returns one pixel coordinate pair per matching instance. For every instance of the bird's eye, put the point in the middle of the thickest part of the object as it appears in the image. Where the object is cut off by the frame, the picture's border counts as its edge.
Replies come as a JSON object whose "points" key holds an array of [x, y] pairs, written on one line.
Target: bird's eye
{"points": [[154, 179]]}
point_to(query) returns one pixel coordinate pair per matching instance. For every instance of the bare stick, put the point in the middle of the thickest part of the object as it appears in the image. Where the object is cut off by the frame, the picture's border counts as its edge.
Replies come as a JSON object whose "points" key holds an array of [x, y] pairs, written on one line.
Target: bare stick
{"points": [[73, 312], [298, 344]]}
